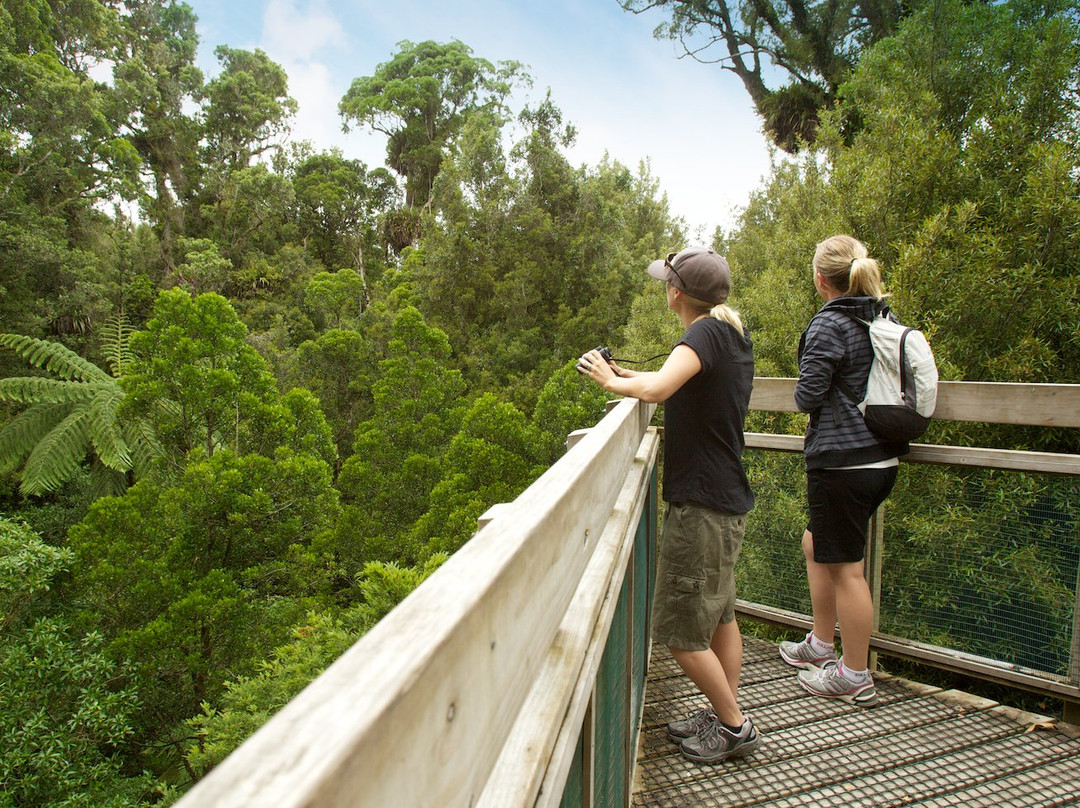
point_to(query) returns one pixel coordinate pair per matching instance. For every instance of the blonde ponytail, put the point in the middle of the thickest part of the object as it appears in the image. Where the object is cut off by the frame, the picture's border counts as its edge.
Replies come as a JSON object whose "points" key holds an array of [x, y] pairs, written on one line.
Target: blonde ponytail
{"points": [[845, 264]]}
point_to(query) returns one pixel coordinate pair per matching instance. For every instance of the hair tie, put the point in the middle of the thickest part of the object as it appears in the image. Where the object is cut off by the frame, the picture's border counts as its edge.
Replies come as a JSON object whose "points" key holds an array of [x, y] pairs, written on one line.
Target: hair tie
{"points": [[851, 265]]}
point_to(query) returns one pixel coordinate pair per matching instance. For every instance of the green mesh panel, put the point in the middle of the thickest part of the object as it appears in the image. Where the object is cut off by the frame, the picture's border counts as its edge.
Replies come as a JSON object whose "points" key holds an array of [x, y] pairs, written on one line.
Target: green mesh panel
{"points": [[574, 791], [620, 680], [612, 703]]}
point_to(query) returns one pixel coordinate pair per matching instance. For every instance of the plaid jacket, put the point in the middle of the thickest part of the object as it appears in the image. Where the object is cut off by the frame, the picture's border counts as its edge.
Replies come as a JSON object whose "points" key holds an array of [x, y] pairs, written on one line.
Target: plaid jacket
{"points": [[834, 346]]}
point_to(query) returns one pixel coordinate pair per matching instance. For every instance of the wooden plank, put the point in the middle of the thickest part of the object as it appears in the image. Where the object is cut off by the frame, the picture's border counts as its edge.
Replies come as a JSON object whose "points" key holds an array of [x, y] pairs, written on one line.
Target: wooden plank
{"points": [[1013, 403], [773, 394], [780, 443], [1046, 462], [536, 758], [1010, 403], [936, 656], [441, 679]]}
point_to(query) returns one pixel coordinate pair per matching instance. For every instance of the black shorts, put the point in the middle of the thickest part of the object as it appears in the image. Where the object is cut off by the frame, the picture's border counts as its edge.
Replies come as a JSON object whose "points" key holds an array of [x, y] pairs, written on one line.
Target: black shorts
{"points": [[841, 504]]}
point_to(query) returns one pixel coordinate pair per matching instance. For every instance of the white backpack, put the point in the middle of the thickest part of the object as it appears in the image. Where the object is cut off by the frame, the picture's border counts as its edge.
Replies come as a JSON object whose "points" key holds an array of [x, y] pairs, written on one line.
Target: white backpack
{"points": [[901, 392]]}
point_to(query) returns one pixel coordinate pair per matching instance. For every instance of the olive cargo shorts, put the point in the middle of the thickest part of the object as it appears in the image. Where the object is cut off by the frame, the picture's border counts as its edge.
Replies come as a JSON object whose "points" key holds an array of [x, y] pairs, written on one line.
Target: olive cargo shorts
{"points": [[695, 580]]}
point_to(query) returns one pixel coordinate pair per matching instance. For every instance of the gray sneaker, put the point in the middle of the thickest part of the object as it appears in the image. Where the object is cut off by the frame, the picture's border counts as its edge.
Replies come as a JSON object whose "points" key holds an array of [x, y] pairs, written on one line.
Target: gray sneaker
{"points": [[714, 743], [690, 726], [802, 655], [831, 683]]}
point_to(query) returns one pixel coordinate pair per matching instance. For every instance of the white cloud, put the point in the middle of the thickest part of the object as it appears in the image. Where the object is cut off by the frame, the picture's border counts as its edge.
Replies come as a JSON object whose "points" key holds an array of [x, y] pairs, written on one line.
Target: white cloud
{"points": [[296, 34]]}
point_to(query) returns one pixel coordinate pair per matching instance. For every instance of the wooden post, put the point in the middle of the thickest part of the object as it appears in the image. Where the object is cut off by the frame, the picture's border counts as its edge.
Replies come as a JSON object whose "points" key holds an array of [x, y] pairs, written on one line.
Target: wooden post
{"points": [[1071, 711], [575, 437]]}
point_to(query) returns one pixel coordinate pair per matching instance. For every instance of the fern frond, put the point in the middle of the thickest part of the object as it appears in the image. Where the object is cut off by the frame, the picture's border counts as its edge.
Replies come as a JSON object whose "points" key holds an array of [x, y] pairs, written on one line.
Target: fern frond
{"points": [[56, 457], [24, 431], [40, 390], [117, 345], [144, 446], [53, 357], [106, 482], [105, 433]]}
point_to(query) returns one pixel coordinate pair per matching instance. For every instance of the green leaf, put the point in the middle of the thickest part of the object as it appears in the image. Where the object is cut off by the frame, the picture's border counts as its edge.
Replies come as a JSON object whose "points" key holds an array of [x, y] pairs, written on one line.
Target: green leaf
{"points": [[19, 437], [34, 389], [56, 458], [105, 432], [53, 357]]}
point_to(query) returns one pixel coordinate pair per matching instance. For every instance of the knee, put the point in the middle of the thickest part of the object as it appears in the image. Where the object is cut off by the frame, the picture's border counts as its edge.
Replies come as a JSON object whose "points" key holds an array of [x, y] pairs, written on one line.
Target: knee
{"points": [[850, 574]]}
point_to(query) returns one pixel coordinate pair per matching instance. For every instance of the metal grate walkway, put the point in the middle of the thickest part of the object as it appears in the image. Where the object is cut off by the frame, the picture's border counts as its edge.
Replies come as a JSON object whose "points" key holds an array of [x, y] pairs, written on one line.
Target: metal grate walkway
{"points": [[921, 746]]}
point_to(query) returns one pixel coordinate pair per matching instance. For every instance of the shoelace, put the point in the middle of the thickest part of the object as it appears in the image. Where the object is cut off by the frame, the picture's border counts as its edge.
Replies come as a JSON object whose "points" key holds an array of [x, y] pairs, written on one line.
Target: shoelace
{"points": [[702, 717], [710, 732]]}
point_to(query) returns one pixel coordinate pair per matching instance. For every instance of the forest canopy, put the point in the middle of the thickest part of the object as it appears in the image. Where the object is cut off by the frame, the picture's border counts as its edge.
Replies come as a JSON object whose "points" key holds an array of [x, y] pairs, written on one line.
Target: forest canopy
{"points": [[239, 425]]}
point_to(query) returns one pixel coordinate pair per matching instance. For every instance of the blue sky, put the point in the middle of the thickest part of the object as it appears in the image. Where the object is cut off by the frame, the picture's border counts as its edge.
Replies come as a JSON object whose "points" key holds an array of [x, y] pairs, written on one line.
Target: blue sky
{"points": [[626, 92]]}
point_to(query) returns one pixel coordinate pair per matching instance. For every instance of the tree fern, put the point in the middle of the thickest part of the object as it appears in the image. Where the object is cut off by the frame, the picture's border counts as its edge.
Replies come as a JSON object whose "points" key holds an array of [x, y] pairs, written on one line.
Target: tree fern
{"points": [[58, 454], [117, 345], [144, 446], [19, 437], [105, 432], [53, 357], [37, 389], [71, 414]]}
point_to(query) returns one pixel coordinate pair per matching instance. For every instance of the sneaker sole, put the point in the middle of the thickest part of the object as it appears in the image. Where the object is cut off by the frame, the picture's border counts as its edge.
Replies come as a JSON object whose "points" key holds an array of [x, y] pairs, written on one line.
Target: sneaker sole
{"points": [[805, 664], [741, 750], [861, 699]]}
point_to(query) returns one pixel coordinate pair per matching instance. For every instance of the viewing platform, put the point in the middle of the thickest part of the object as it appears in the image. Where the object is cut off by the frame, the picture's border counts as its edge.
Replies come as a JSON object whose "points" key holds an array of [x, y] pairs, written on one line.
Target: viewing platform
{"points": [[520, 673], [920, 746]]}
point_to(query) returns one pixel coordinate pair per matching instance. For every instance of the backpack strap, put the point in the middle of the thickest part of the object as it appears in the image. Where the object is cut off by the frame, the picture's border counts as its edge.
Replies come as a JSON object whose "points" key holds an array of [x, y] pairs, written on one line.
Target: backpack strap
{"points": [[840, 384]]}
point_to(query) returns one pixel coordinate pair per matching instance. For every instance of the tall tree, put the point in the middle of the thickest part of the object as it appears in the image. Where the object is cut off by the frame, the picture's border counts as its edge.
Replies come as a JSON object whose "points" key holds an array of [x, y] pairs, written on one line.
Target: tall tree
{"points": [[195, 379], [530, 261], [156, 77], [338, 204], [493, 458], [198, 582], [62, 712], [420, 100], [247, 108], [815, 45], [339, 367], [61, 155], [398, 451], [961, 179]]}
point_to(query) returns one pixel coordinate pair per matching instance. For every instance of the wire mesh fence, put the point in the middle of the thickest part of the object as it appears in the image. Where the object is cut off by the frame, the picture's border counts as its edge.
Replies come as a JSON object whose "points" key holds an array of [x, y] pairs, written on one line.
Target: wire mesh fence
{"points": [[981, 561]]}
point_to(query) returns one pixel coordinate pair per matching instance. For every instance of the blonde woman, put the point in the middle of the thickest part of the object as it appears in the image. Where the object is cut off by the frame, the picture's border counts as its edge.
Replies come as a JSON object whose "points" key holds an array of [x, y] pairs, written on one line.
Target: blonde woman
{"points": [[849, 472], [705, 386]]}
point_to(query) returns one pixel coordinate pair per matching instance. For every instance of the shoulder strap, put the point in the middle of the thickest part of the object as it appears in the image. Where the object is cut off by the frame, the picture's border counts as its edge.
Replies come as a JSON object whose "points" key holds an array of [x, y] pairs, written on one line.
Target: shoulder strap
{"points": [[840, 384]]}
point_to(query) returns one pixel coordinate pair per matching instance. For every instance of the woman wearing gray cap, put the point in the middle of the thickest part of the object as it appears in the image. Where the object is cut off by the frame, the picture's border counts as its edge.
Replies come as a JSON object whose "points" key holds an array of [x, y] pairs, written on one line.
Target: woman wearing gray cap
{"points": [[705, 386]]}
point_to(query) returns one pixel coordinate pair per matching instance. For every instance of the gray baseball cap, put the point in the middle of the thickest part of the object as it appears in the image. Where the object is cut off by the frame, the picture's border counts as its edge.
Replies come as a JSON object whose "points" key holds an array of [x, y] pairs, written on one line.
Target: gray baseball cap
{"points": [[701, 273]]}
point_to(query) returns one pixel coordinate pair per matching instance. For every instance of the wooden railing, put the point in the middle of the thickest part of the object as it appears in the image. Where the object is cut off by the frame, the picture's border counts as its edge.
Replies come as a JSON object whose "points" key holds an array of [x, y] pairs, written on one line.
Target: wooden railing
{"points": [[481, 687], [1043, 405]]}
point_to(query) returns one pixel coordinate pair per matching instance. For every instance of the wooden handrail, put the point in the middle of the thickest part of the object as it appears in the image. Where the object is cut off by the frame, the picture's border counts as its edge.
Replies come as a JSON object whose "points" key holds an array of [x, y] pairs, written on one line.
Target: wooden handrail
{"points": [[418, 711], [1041, 405], [984, 402]]}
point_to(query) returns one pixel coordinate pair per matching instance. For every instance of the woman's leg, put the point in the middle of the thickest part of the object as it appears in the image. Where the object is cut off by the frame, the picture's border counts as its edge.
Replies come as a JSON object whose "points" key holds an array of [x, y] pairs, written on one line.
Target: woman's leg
{"points": [[822, 592], [727, 645], [705, 670], [855, 609]]}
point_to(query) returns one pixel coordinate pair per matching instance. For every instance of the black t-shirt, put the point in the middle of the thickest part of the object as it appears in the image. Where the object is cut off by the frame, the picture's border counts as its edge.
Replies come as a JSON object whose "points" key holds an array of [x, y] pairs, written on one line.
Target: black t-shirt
{"points": [[703, 421]]}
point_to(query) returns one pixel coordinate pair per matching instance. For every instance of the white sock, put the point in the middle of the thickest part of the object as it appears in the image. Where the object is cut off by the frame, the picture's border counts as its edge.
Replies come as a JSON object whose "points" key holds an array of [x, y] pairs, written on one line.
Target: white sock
{"points": [[818, 645], [854, 675]]}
